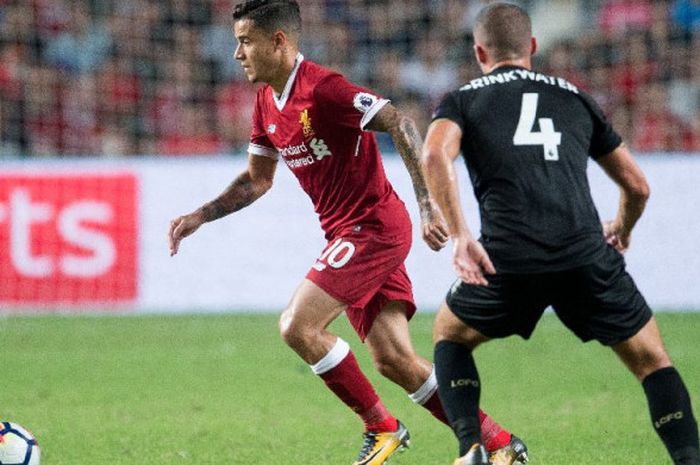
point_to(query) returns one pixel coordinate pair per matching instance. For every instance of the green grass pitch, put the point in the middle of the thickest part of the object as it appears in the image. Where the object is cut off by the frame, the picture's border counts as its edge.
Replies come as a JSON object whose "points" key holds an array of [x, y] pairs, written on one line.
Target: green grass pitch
{"points": [[223, 389]]}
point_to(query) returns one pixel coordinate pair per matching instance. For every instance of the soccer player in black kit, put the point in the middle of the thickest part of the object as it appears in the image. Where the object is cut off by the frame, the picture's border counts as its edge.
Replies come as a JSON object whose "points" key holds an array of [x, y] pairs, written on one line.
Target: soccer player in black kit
{"points": [[526, 138]]}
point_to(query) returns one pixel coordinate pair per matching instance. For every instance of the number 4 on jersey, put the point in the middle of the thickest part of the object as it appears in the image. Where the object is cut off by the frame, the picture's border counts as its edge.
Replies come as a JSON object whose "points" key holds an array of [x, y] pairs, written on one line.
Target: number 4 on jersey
{"points": [[548, 138]]}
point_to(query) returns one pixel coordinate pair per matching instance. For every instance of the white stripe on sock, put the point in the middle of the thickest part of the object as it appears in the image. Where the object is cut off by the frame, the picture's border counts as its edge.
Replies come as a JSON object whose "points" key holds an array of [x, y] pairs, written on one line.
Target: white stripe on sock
{"points": [[426, 391], [340, 350]]}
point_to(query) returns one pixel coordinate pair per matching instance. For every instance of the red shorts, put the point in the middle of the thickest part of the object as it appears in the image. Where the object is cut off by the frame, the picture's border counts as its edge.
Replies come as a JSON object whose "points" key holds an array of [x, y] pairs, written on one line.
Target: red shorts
{"points": [[365, 269]]}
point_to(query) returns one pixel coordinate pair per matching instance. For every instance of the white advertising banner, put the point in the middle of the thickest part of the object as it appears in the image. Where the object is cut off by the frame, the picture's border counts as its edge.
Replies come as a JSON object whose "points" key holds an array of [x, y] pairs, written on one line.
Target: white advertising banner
{"points": [[91, 235]]}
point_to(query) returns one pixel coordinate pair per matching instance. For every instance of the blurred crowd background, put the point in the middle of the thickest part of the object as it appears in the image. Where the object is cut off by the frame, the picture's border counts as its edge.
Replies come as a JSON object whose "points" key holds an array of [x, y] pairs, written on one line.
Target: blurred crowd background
{"points": [[147, 77]]}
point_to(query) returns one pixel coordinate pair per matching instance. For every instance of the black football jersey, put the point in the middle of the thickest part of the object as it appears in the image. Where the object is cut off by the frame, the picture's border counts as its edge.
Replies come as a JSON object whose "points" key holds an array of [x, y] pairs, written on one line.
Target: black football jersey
{"points": [[526, 142]]}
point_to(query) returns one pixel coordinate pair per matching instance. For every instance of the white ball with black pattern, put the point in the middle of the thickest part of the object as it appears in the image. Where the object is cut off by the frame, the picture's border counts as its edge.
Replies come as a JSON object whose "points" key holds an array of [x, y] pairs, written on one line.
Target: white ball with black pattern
{"points": [[17, 445]]}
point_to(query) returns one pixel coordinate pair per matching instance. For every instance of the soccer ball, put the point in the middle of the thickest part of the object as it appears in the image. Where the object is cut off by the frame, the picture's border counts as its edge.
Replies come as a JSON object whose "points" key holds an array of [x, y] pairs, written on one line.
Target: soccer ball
{"points": [[17, 445]]}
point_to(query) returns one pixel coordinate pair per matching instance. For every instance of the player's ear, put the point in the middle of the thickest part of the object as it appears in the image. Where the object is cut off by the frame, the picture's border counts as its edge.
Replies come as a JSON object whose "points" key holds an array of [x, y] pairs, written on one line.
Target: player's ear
{"points": [[481, 54], [533, 46], [280, 40]]}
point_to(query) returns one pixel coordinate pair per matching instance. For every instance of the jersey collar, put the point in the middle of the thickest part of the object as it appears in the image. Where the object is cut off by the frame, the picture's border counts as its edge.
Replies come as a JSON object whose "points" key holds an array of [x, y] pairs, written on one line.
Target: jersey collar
{"points": [[505, 67], [282, 99]]}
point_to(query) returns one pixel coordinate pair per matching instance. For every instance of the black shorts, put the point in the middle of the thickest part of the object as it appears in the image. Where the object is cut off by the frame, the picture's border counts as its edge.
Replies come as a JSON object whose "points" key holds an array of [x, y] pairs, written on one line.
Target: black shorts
{"points": [[596, 301]]}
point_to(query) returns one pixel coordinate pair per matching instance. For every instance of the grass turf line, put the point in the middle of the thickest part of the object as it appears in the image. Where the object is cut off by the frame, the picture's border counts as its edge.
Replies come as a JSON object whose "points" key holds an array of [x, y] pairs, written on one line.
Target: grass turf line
{"points": [[223, 389]]}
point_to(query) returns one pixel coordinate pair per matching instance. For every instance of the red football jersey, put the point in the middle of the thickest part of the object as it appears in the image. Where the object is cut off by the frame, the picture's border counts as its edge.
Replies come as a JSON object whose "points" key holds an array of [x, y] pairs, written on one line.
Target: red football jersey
{"points": [[317, 127]]}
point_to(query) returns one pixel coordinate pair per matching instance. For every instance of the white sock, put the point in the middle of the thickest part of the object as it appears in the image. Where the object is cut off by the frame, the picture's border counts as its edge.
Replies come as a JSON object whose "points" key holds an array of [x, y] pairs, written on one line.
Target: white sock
{"points": [[426, 391], [337, 354]]}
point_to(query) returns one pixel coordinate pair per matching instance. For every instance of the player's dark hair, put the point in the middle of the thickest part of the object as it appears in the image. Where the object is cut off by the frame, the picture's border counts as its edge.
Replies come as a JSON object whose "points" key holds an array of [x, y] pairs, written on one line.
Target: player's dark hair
{"points": [[271, 15], [506, 30]]}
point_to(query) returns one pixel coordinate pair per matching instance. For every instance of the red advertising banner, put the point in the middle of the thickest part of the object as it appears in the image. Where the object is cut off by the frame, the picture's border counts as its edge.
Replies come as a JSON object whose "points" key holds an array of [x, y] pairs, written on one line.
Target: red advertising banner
{"points": [[68, 240]]}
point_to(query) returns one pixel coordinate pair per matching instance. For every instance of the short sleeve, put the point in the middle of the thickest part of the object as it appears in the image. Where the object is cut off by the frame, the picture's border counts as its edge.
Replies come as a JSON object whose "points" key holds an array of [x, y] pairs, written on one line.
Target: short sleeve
{"points": [[604, 139], [259, 142], [351, 106], [449, 109]]}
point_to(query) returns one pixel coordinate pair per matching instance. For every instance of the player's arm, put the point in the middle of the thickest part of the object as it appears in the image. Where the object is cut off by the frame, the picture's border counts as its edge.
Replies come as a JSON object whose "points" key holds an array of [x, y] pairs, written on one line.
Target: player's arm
{"points": [[407, 140], [634, 192], [249, 186], [442, 146]]}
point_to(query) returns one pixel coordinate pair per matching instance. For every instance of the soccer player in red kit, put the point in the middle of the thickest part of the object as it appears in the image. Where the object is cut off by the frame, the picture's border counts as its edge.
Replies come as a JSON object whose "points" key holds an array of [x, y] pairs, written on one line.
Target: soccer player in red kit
{"points": [[316, 122]]}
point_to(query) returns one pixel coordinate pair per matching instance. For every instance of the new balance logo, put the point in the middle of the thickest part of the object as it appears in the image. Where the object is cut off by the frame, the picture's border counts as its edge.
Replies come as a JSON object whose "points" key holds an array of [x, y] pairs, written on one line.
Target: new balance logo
{"points": [[667, 418], [464, 383]]}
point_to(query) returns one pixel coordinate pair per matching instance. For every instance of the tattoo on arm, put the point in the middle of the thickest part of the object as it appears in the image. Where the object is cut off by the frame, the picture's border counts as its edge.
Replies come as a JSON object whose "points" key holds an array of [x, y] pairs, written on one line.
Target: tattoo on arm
{"points": [[409, 143], [213, 210], [239, 194]]}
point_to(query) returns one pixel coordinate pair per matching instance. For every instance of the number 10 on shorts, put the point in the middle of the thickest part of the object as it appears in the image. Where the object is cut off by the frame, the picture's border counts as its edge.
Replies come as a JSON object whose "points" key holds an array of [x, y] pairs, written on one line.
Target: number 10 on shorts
{"points": [[335, 256]]}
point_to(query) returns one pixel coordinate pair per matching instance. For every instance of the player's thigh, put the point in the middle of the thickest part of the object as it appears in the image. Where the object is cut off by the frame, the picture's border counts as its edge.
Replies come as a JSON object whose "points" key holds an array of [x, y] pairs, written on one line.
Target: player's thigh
{"points": [[600, 301], [510, 304], [644, 353], [365, 270], [448, 327], [353, 267], [392, 301], [310, 309]]}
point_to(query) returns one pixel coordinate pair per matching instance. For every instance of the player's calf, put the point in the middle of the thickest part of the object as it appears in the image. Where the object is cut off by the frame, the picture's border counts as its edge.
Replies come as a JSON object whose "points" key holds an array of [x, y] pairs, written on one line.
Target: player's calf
{"points": [[672, 415]]}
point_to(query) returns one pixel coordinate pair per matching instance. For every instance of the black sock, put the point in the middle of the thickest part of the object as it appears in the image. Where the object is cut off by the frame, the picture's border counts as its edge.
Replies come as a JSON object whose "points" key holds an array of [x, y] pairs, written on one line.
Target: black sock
{"points": [[459, 389], [672, 415]]}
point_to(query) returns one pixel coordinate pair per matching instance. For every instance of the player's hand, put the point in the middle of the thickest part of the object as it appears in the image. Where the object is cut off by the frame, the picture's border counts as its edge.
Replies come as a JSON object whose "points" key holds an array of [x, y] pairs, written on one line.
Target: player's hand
{"points": [[471, 261], [616, 235], [182, 227], [434, 229]]}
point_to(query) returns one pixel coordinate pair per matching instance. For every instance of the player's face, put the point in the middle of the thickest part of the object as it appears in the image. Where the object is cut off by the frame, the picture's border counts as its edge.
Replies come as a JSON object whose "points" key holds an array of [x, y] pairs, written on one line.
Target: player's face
{"points": [[256, 51]]}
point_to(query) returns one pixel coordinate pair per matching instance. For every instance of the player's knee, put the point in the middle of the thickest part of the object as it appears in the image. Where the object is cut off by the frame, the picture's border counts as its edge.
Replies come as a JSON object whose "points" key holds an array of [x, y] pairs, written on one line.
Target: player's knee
{"points": [[302, 340], [439, 334], [293, 332], [390, 365], [447, 326], [440, 329], [655, 361], [648, 361], [297, 338]]}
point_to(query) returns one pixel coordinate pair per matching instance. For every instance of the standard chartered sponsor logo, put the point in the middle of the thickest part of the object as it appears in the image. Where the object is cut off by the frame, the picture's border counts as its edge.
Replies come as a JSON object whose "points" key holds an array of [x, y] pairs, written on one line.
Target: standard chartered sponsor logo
{"points": [[299, 162], [318, 151], [294, 150], [320, 148]]}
